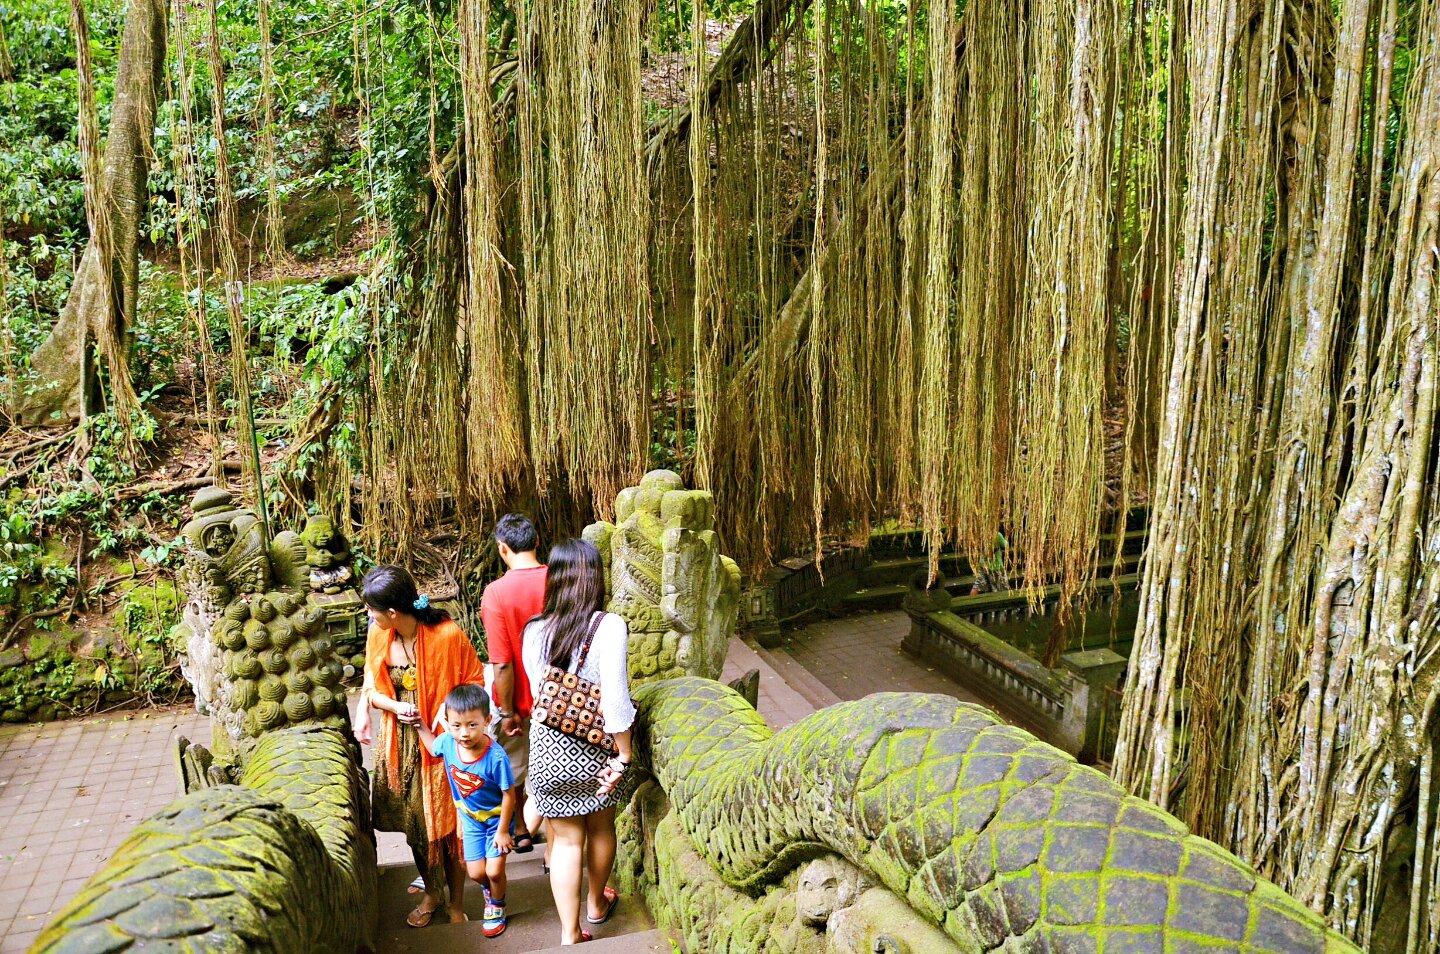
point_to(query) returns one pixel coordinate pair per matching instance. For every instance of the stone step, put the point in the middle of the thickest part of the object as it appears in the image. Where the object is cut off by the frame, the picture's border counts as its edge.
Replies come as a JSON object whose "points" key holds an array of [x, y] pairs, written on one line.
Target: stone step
{"points": [[798, 678], [646, 942], [780, 702], [533, 924], [890, 596]]}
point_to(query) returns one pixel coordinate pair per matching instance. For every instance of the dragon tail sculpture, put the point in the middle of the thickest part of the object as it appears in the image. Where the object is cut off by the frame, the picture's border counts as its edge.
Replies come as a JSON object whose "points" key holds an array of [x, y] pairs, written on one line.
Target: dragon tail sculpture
{"points": [[993, 837], [283, 863]]}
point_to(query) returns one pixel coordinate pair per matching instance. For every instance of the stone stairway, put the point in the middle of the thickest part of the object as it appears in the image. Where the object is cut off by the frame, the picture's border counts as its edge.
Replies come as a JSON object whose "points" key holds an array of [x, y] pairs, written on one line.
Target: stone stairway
{"points": [[788, 692], [533, 925], [795, 676]]}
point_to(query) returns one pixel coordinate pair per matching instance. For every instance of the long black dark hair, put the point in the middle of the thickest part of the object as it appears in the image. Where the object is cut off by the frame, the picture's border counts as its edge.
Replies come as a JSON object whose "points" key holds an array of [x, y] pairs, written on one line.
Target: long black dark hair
{"points": [[393, 588], [574, 592]]}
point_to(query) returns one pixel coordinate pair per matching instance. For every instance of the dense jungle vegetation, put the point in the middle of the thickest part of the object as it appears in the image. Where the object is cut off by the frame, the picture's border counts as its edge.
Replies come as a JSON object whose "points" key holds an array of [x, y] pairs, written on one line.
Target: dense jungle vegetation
{"points": [[968, 266]]}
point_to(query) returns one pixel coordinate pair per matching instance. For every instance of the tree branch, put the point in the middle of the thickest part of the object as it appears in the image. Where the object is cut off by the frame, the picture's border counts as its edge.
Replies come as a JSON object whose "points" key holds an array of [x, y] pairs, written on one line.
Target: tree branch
{"points": [[750, 50]]}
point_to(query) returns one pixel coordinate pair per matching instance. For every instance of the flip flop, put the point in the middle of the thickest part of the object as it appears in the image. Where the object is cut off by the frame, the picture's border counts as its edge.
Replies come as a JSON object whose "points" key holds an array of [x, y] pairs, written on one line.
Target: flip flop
{"points": [[417, 886], [612, 896], [524, 843], [419, 919]]}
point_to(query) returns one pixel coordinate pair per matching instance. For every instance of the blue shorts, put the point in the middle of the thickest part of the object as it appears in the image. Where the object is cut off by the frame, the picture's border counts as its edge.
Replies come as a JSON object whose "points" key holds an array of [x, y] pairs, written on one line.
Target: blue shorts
{"points": [[479, 837]]}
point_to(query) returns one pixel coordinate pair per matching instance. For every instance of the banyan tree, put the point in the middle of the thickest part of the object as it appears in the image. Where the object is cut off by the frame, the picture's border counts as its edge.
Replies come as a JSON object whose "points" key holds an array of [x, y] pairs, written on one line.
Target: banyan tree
{"points": [[991, 266], [979, 266]]}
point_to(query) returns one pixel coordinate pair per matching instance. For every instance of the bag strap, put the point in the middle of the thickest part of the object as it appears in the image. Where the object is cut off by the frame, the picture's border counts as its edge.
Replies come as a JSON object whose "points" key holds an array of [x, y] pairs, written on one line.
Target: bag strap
{"points": [[589, 638]]}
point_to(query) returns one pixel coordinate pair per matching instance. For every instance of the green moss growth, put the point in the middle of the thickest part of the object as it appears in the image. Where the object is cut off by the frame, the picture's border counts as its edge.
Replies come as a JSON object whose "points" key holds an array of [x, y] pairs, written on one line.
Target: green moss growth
{"points": [[40, 646], [148, 608]]}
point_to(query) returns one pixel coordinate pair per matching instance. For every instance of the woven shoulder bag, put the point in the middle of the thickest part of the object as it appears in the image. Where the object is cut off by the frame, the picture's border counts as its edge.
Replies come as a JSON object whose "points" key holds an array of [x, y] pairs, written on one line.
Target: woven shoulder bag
{"points": [[571, 705]]}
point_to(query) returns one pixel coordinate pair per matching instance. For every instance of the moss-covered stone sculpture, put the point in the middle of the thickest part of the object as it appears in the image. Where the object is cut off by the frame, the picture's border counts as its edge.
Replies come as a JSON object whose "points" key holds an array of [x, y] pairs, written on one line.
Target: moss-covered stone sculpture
{"points": [[280, 669], [258, 658], [989, 837], [327, 554], [283, 863], [677, 592], [272, 849]]}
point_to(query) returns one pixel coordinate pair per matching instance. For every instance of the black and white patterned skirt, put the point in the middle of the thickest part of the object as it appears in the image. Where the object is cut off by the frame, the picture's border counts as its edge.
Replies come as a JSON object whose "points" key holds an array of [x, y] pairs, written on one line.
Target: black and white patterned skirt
{"points": [[563, 770]]}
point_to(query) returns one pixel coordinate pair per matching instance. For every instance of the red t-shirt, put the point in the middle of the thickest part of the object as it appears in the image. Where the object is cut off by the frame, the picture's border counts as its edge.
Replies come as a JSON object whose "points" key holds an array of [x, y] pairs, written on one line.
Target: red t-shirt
{"points": [[505, 607]]}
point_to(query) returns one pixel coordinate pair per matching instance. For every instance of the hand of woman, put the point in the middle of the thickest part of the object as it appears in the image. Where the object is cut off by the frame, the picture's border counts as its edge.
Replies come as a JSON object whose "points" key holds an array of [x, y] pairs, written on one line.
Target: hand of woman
{"points": [[363, 734], [408, 713], [611, 774]]}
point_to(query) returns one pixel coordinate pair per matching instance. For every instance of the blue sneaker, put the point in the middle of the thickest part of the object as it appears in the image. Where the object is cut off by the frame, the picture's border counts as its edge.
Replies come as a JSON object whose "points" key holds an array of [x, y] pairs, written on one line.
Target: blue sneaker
{"points": [[494, 924]]}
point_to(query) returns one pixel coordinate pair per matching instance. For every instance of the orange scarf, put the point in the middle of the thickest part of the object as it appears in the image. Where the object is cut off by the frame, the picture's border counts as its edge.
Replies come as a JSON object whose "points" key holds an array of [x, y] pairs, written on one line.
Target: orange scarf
{"points": [[444, 659]]}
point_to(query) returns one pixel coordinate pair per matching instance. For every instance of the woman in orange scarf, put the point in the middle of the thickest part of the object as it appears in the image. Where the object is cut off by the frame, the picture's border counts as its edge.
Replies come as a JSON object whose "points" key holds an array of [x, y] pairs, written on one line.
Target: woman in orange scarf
{"points": [[414, 655]]}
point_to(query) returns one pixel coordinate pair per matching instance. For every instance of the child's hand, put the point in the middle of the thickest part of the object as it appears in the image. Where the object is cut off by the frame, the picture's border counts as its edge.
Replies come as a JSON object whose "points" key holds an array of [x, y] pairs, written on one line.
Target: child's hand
{"points": [[503, 842]]}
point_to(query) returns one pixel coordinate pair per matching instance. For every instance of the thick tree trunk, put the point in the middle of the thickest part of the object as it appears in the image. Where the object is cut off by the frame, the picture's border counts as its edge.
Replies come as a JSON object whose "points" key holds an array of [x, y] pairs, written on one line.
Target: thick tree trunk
{"points": [[89, 312]]}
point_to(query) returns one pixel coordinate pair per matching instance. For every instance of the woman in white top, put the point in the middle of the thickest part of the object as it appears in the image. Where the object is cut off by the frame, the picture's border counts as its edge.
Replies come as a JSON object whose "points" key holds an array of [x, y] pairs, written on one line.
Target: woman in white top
{"points": [[572, 782]]}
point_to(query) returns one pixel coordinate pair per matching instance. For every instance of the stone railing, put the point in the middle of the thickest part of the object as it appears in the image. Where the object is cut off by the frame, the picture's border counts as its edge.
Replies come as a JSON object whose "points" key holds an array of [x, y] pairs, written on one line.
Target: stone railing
{"points": [[1067, 706], [282, 862], [271, 849], [873, 576]]}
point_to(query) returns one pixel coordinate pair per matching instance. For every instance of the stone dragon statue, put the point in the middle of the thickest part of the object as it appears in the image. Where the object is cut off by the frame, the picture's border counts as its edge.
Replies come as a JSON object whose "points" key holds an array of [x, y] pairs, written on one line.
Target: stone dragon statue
{"points": [[271, 849], [915, 824], [668, 578]]}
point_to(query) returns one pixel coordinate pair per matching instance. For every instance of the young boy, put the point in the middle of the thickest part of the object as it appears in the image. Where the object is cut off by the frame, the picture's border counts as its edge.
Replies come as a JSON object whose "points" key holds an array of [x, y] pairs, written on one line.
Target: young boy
{"points": [[482, 784]]}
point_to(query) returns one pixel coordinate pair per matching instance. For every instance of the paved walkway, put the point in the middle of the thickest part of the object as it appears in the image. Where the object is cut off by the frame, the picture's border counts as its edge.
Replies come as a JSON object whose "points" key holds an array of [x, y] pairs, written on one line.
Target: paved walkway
{"points": [[70, 792], [857, 655]]}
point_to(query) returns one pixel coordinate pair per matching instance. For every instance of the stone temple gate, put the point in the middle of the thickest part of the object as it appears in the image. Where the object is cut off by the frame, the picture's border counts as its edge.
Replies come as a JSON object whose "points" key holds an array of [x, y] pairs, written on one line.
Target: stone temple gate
{"points": [[898, 823]]}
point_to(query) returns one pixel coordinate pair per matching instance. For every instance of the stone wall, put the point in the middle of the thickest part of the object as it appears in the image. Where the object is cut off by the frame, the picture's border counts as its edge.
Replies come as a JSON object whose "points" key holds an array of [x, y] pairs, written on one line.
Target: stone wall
{"points": [[62, 673]]}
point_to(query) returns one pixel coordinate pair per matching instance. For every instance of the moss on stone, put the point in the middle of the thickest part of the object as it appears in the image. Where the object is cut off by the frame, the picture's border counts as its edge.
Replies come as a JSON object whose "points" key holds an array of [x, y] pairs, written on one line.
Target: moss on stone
{"points": [[970, 821]]}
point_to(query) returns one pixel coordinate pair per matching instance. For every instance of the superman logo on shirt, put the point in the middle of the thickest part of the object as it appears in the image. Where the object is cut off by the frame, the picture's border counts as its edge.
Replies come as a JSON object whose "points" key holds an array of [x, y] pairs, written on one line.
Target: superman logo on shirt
{"points": [[465, 783]]}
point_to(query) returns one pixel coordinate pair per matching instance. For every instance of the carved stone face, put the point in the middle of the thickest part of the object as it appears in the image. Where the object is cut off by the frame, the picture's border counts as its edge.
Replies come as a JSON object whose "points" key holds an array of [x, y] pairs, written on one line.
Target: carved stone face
{"points": [[877, 922], [826, 885], [325, 544], [217, 539]]}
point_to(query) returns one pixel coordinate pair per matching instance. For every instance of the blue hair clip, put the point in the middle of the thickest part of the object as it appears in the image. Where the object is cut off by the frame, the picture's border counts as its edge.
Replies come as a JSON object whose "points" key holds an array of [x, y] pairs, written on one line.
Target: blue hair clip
{"points": [[422, 602]]}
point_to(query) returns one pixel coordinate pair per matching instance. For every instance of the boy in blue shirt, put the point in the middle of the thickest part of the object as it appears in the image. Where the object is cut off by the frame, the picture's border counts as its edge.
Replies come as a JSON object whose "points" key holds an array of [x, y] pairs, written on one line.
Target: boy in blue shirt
{"points": [[482, 785]]}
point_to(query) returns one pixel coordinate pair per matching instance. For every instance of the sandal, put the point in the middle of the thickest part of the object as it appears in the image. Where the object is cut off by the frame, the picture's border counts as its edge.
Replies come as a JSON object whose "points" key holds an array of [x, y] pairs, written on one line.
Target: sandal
{"points": [[419, 918], [613, 897], [417, 886], [524, 843]]}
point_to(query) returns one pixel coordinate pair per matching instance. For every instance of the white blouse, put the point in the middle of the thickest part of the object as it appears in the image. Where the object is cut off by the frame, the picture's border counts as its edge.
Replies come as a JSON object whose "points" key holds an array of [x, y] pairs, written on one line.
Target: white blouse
{"points": [[608, 664]]}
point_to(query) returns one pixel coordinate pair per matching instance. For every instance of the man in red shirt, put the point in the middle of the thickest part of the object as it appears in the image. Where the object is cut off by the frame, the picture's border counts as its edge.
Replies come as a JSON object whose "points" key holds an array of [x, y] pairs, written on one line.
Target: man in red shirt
{"points": [[506, 606]]}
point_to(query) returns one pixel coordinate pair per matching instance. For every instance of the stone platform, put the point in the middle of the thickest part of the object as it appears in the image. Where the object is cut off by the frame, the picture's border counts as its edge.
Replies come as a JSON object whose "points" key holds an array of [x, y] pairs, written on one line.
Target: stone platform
{"points": [[69, 794]]}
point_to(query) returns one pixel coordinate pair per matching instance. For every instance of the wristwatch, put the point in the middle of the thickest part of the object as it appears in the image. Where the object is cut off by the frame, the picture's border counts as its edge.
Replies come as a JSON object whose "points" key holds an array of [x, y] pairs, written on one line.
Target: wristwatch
{"points": [[501, 714]]}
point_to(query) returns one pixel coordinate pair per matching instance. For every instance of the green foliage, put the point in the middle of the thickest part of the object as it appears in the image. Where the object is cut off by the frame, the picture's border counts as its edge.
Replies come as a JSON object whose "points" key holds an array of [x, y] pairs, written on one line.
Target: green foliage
{"points": [[672, 440], [33, 577]]}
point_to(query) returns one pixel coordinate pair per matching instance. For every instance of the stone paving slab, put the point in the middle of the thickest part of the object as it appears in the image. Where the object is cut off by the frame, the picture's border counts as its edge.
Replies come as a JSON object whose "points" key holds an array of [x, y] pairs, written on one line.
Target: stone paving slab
{"points": [[70, 792], [857, 655], [533, 923]]}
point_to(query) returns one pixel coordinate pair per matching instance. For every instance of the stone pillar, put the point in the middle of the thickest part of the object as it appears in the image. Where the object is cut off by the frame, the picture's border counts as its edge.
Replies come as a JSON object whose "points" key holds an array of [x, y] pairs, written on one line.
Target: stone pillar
{"points": [[1091, 673], [668, 579]]}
